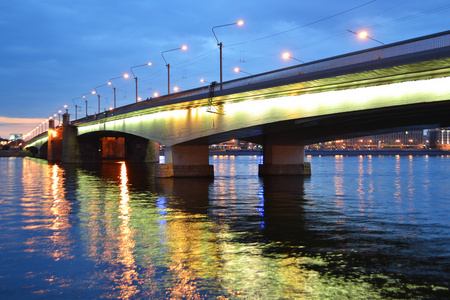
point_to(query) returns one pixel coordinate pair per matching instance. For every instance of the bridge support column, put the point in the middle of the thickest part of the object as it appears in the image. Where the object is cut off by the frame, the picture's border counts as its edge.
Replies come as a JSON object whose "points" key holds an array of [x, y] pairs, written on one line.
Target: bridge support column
{"points": [[185, 161], [54, 149], [284, 160], [70, 146]]}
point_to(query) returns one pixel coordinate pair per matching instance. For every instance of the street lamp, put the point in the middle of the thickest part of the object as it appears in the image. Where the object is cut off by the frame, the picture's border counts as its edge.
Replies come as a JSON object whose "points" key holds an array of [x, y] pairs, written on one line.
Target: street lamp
{"points": [[76, 106], [114, 88], [240, 23], [364, 35], [135, 77], [184, 47], [237, 70], [98, 95], [287, 55], [84, 97], [59, 117], [203, 80]]}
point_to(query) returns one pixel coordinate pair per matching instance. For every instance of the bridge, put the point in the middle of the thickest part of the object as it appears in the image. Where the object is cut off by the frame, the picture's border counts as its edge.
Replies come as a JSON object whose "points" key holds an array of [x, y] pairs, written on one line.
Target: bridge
{"points": [[394, 87]]}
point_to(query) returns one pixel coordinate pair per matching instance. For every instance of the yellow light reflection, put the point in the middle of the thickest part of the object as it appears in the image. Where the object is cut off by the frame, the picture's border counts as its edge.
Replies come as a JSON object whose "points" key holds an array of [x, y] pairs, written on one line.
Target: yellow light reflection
{"points": [[46, 208], [126, 243]]}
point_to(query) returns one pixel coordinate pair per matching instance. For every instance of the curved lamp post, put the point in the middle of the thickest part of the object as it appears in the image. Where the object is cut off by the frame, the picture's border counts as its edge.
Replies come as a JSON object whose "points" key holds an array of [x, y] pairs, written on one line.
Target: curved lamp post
{"points": [[240, 23], [287, 55], [237, 70], [184, 47], [59, 110], [364, 35], [114, 88], [84, 97], [98, 95], [135, 77], [76, 106]]}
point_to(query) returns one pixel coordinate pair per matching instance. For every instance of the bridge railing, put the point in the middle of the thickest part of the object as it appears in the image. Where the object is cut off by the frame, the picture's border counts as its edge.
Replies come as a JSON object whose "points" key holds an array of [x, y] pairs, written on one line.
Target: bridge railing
{"points": [[430, 42], [416, 45]]}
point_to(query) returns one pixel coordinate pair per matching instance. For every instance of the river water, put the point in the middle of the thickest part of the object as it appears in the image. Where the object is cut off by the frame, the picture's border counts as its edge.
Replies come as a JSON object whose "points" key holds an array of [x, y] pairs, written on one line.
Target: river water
{"points": [[359, 227]]}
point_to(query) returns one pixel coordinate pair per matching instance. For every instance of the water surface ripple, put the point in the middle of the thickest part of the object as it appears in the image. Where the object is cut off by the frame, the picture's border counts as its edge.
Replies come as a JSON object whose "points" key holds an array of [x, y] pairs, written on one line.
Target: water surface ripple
{"points": [[359, 228]]}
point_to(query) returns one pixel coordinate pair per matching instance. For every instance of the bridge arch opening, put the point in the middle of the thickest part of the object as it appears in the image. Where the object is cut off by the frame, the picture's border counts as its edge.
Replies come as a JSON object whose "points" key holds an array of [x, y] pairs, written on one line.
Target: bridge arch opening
{"points": [[111, 145]]}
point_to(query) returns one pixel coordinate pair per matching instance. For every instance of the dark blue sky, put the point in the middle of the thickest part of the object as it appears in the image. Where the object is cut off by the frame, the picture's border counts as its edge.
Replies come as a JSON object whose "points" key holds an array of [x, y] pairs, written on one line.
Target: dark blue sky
{"points": [[54, 51]]}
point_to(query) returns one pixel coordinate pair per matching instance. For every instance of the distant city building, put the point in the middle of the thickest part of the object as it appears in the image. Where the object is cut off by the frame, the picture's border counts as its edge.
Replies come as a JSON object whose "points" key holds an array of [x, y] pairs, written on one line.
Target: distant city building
{"points": [[3, 142], [235, 144], [398, 140], [415, 139], [15, 136], [15, 142], [439, 138]]}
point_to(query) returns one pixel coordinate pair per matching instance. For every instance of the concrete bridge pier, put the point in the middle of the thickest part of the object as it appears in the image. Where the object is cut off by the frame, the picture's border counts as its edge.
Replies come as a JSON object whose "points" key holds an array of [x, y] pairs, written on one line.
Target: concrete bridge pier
{"points": [[70, 147], [284, 160], [185, 161], [54, 148]]}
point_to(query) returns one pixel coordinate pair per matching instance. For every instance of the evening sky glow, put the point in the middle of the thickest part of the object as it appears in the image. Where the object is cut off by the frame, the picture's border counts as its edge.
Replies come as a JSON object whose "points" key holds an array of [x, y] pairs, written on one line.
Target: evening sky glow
{"points": [[54, 52]]}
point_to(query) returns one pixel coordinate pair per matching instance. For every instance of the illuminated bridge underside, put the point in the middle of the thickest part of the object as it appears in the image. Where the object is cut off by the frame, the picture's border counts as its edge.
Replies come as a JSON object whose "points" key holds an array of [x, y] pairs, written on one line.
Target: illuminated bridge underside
{"points": [[367, 98]]}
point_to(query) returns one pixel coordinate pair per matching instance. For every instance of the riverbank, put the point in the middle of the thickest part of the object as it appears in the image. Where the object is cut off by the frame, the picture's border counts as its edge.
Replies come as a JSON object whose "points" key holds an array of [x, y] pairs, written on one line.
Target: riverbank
{"points": [[376, 152], [338, 152], [14, 153]]}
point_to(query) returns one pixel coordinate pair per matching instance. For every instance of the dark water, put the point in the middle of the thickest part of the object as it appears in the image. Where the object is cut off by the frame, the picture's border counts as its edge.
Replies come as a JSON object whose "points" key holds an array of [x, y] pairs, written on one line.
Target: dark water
{"points": [[358, 228]]}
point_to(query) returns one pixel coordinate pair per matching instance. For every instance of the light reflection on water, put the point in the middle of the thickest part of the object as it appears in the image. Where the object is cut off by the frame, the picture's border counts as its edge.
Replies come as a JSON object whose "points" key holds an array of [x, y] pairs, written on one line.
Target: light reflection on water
{"points": [[359, 227]]}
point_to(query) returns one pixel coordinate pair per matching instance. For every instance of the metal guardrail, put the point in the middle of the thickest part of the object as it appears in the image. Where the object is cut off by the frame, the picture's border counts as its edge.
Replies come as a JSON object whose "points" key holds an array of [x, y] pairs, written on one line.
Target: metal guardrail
{"points": [[416, 45], [430, 42]]}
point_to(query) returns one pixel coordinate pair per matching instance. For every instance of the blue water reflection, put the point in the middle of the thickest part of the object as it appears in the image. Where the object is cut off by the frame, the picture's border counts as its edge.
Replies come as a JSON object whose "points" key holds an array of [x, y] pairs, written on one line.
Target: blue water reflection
{"points": [[359, 227]]}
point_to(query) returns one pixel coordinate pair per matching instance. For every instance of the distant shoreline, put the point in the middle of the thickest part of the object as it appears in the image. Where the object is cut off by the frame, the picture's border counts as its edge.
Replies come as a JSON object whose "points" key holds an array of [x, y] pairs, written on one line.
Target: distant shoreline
{"points": [[338, 152], [14, 153]]}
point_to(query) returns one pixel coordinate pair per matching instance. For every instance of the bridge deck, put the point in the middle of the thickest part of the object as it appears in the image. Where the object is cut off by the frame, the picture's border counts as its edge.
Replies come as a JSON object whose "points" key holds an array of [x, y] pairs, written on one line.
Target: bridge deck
{"points": [[421, 58]]}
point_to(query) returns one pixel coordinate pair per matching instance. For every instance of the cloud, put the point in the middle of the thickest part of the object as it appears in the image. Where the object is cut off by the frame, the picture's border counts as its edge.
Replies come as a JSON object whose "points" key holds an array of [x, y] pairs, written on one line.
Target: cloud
{"points": [[19, 121], [17, 125]]}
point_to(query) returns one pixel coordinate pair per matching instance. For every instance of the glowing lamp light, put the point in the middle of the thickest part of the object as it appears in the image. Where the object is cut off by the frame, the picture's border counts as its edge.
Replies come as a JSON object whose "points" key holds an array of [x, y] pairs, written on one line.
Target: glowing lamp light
{"points": [[240, 22], [109, 83], [176, 89], [237, 70], [126, 75], [286, 55], [139, 99], [93, 92], [184, 47], [363, 35], [53, 132], [155, 94]]}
